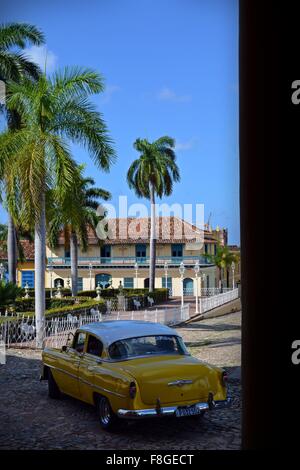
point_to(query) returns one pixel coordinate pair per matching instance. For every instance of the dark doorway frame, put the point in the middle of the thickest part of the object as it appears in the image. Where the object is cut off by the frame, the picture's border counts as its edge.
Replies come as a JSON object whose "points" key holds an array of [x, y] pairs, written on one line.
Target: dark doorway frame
{"points": [[259, 146]]}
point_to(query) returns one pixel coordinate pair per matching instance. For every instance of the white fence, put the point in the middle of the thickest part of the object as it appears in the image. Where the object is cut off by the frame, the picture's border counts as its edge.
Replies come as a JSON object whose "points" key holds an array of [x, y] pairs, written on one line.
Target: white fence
{"points": [[211, 302], [22, 333], [209, 291]]}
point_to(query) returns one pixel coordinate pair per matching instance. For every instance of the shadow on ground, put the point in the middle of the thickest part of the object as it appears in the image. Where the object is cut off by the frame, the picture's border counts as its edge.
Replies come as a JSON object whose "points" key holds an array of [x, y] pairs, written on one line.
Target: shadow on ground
{"points": [[31, 420], [203, 326]]}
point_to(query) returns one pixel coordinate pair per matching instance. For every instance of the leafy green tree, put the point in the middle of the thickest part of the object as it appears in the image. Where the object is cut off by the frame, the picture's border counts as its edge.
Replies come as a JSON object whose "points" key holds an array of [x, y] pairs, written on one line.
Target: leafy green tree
{"points": [[15, 66], [153, 174], [74, 217], [54, 111], [223, 260]]}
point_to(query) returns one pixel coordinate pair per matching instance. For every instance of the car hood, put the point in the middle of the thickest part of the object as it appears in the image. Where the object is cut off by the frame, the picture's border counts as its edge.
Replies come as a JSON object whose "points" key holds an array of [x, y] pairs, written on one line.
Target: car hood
{"points": [[173, 378]]}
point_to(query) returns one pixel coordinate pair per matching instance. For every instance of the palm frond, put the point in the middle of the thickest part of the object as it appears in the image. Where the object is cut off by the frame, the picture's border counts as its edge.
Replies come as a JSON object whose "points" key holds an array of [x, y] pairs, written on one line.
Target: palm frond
{"points": [[18, 34], [73, 81]]}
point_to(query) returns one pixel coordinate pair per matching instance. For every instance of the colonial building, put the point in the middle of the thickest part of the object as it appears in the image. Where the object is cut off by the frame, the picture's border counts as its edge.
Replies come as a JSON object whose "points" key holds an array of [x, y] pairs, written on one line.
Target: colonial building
{"points": [[124, 256]]}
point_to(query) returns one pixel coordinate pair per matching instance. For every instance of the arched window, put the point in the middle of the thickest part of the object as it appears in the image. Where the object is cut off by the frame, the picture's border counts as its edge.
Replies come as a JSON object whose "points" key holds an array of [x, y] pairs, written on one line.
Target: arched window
{"points": [[104, 280], [57, 281], [146, 283]]}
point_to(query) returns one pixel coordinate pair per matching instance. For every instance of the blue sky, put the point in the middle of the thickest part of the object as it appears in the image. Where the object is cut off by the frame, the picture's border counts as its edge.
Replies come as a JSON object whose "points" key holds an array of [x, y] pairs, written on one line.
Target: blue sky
{"points": [[170, 68]]}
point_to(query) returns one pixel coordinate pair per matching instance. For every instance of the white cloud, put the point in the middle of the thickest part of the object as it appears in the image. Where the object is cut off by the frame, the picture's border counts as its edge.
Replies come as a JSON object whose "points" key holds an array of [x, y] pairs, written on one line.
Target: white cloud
{"points": [[108, 92], [166, 94], [182, 146], [41, 56]]}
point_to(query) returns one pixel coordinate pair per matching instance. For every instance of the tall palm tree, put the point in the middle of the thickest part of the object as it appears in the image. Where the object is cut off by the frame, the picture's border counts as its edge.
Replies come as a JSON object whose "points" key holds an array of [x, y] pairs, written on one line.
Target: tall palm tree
{"points": [[14, 65], [74, 217], [153, 174], [223, 260], [53, 110]]}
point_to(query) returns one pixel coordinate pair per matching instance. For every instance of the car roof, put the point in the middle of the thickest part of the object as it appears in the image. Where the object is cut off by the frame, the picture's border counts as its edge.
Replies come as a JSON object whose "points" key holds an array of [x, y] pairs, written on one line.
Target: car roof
{"points": [[114, 330]]}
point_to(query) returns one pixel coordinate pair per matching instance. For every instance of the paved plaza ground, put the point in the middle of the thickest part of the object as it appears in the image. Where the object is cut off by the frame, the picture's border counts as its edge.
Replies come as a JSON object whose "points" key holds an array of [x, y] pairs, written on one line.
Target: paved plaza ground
{"points": [[30, 420]]}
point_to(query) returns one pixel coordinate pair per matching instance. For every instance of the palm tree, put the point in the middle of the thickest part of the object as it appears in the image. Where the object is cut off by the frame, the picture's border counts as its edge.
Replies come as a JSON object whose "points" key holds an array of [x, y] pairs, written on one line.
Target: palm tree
{"points": [[153, 173], [14, 65], [75, 216], [53, 111], [223, 260]]}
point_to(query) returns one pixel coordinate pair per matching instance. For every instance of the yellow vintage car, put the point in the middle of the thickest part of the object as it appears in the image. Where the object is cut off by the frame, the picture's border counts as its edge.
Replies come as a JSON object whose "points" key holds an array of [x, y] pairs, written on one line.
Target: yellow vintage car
{"points": [[133, 369]]}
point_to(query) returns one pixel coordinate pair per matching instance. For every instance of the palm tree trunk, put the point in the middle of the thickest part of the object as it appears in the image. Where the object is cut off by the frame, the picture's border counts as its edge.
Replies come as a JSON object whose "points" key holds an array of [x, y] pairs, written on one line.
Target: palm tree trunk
{"points": [[40, 265], [220, 279], [152, 241], [11, 250], [74, 262]]}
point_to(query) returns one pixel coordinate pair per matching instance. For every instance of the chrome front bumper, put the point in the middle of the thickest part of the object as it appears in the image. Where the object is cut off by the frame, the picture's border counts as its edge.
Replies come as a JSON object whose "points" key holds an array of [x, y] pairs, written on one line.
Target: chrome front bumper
{"points": [[170, 410]]}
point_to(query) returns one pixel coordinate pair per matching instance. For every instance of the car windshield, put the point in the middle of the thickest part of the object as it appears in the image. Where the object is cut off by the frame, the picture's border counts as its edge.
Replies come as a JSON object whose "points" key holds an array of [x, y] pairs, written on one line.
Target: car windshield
{"points": [[146, 346]]}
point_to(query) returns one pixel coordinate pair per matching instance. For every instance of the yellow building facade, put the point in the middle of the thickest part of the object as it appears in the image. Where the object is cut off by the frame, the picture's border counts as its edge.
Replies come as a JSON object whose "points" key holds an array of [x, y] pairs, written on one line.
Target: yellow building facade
{"points": [[126, 260]]}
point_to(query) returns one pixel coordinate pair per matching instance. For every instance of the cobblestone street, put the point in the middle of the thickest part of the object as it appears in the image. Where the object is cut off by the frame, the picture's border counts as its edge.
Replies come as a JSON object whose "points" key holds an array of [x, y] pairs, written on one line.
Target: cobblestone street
{"points": [[30, 420]]}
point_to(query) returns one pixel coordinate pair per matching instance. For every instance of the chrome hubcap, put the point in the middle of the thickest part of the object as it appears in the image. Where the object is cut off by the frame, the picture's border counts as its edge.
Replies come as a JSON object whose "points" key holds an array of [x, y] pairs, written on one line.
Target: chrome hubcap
{"points": [[104, 411]]}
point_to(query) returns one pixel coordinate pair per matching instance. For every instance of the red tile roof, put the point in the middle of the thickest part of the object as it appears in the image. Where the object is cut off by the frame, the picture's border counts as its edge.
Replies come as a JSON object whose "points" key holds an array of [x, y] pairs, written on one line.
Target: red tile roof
{"points": [[28, 249], [137, 230]]}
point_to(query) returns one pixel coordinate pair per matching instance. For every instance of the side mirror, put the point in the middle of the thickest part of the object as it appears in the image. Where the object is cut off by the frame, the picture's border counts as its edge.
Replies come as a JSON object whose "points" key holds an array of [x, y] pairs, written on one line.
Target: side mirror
{"points": [[64, 348]]}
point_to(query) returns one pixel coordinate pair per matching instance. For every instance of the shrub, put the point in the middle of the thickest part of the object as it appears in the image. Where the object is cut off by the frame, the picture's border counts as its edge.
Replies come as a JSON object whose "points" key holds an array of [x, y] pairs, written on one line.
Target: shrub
{"points": [[8, 293], [74, 309], [65, 292], [24, 305], [105, 293], [62, 302], [159, 295]]}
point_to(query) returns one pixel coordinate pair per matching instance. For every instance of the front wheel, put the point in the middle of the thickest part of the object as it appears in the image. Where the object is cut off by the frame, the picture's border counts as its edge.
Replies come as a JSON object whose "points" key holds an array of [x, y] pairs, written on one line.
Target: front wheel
{"points": [[108, 419]]}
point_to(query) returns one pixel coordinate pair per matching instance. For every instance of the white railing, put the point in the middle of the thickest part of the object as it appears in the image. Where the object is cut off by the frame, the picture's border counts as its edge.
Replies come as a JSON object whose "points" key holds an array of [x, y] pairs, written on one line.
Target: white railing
{"points": [[211, 302], [209, 291], [22, 333]]}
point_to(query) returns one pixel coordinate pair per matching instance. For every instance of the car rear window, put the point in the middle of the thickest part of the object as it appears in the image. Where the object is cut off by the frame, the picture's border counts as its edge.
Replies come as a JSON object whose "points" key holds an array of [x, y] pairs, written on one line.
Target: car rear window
{"points": [[147, 346]]}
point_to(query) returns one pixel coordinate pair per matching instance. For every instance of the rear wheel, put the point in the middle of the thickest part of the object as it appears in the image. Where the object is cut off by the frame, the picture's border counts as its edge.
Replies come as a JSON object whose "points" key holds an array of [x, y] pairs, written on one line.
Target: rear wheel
{"points": [[53, 390], [108, 419]]}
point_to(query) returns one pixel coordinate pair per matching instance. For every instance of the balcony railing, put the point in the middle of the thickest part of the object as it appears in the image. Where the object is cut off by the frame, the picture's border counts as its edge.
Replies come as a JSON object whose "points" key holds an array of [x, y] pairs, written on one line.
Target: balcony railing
{"points": [[128, 260]]}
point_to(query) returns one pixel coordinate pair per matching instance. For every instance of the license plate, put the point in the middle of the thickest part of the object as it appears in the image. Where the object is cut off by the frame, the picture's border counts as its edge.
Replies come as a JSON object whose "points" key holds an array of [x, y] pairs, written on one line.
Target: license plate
{"points": [[187, 411]]}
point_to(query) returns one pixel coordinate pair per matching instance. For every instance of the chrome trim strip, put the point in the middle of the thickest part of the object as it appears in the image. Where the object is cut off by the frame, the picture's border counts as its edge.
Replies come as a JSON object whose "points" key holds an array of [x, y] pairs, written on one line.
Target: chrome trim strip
{"points": [[153, 412], [61, 370], [180, 382], [86, 382], [101, 388]]}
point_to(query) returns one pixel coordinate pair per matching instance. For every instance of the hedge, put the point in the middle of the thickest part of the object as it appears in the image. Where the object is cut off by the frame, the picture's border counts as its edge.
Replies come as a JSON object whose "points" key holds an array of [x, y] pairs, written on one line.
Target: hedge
{"points": [[28, 304], [105, 293], [63, 311], [159, 295], [66, 292], [63, 306]]}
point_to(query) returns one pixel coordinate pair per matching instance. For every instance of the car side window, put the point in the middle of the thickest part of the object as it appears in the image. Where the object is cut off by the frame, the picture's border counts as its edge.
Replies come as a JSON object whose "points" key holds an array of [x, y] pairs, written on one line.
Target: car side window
{"points": [[79, 340], [94, 346]]}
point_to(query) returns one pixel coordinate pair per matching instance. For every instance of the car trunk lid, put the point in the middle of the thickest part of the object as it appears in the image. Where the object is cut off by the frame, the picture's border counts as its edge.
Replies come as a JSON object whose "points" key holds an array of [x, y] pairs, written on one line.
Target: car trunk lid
{"points": [[172, 379]]}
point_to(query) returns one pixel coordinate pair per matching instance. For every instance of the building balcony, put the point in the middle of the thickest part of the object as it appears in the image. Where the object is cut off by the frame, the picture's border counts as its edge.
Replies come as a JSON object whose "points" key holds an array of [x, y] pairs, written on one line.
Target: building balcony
{"points": [[128, 261]]}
